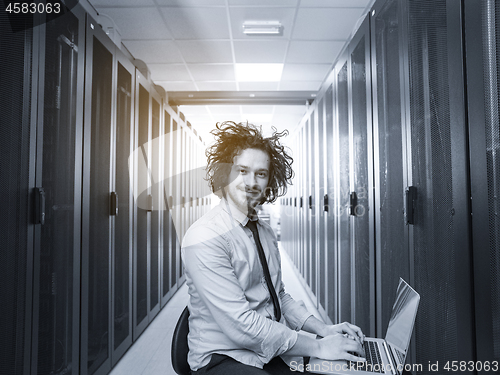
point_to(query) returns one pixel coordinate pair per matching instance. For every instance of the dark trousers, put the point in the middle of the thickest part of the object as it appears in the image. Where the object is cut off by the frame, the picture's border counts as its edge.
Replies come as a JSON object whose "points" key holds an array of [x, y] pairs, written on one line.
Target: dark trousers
{"points": [[224, 365]]}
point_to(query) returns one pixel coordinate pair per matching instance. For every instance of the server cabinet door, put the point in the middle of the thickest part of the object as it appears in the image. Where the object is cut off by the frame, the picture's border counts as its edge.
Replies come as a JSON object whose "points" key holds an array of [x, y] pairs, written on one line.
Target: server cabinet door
{"points": [[144, 204], [167, 225], [331, 166], [18, 103], [392, 247], [124, 213], [303, 202], [96, 218], [482, 23], [321, 270], [57, 251], [361, 210], [156, 164], [312, 222], [307, 202], [176, 194], [440, 234], [342, 206]]}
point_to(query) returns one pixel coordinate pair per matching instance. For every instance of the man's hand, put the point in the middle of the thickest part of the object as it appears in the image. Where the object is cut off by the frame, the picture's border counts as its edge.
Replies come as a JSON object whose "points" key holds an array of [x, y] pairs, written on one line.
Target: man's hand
{"points": [[340, 346], [346, 329]]}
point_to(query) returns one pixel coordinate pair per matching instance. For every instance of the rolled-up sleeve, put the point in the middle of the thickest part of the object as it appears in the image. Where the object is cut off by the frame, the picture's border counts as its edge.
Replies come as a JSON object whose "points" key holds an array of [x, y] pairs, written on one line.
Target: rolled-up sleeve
{"points": [[294, 312], [207, 260]]}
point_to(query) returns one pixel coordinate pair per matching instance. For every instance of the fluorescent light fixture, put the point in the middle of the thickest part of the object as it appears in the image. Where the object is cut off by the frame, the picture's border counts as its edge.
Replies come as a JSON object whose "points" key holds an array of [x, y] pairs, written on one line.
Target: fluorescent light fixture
{"points": [[262, 27], [258, 72]]}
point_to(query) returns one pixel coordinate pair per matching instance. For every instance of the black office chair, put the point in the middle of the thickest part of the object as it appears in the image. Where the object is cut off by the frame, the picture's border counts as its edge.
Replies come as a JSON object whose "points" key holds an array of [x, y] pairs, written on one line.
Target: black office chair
{"points": [[180, 347]]}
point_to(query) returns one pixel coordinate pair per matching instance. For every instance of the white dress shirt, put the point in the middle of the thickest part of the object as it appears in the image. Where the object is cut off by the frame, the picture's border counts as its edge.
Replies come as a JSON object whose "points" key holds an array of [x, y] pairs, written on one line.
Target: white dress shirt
{"points": [[231, 310]]}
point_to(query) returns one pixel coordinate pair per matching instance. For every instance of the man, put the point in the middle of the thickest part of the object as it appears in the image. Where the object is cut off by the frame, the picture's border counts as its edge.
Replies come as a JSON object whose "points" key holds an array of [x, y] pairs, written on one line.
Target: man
{"points": [[237, 324]]}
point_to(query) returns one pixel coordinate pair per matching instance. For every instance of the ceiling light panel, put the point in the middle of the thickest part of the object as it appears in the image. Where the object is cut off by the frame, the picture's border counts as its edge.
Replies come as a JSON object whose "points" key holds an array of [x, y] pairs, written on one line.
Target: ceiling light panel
{"points": [[262, 28], [258, 72], [242, 15]]}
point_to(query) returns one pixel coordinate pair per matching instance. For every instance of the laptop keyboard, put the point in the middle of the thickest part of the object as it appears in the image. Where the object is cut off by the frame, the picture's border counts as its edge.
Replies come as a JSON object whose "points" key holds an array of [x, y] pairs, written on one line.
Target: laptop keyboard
{"points": [[400, 355], [373, 359]]}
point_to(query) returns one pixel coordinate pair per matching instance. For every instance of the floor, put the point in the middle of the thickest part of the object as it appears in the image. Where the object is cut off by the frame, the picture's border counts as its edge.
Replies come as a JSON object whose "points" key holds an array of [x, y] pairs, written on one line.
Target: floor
{"points": [[150, 354]]}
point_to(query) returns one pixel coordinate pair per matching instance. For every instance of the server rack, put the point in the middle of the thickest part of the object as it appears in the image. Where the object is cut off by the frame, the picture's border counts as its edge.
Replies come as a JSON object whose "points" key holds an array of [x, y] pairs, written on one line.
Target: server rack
{"points": [[481, 50], [123, 201], [343, 204], [144, 206], [69, 168], [58, 178], [156, 162], [331, 225], [436, 146], [167, 225], [322, 270], [18, 130], [392, 242], [361, 181], [98, 183], [407, 58]]}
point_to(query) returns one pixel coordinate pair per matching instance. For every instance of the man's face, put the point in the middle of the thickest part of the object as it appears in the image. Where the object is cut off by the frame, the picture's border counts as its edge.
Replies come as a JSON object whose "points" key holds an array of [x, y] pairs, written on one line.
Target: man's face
{"points": [[248, 178]]}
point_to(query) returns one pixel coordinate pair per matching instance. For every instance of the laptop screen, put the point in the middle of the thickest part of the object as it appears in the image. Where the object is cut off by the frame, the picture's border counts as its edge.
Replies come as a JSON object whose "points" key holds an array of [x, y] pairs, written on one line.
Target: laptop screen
{"points": [[403, 316]]}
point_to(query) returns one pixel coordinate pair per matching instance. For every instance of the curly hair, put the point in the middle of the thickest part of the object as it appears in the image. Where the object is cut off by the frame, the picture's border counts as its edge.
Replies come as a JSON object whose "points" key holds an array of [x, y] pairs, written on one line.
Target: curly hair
{"points": [[231, 140]]}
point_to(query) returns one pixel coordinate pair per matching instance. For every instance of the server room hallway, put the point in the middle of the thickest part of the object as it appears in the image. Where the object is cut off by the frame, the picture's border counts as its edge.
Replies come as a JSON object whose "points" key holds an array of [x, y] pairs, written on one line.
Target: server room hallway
{"points": [[150, 354], [389, 109]]}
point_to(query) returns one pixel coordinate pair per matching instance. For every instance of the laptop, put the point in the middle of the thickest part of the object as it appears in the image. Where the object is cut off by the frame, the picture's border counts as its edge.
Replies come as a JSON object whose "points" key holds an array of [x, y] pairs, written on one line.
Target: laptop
{"points": [[382, 356]]}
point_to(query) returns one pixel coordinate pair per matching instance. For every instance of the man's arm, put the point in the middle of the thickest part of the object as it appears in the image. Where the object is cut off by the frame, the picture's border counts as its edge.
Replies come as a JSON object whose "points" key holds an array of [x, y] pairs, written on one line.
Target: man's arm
{"points": [[300, 319]]}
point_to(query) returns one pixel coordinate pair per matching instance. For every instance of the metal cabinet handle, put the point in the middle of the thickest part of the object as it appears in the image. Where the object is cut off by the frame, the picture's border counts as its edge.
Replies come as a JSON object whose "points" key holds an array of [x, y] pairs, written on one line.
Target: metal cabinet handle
{"points": [[113, 204], [353, 203], [39, 205], [411, 196], [149, 203]]}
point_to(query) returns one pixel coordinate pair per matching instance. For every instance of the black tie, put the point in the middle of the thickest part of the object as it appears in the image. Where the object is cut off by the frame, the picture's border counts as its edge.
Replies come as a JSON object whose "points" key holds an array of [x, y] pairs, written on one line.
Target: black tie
{"points": [[253, 227]]}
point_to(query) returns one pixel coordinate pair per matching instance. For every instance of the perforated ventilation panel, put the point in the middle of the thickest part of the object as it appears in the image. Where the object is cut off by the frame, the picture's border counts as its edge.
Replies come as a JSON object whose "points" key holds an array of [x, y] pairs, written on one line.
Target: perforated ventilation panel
{"points": [[491, 54], [434, 254], [14, 169], [342, 208], [393, 248], [361, 187]]}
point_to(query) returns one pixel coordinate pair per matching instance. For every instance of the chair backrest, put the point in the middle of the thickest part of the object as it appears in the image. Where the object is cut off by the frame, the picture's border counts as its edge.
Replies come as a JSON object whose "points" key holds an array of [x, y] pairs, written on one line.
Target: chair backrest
{"points": [[180, 347]]}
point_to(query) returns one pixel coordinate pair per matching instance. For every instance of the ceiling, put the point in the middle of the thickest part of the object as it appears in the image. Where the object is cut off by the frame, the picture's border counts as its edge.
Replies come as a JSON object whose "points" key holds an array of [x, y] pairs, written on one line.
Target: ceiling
{"points": [[191, 48]]}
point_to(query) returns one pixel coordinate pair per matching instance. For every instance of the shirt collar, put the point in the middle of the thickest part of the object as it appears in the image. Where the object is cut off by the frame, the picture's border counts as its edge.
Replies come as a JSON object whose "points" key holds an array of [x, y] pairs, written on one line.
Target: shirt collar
{"points": [[236, 214]]}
